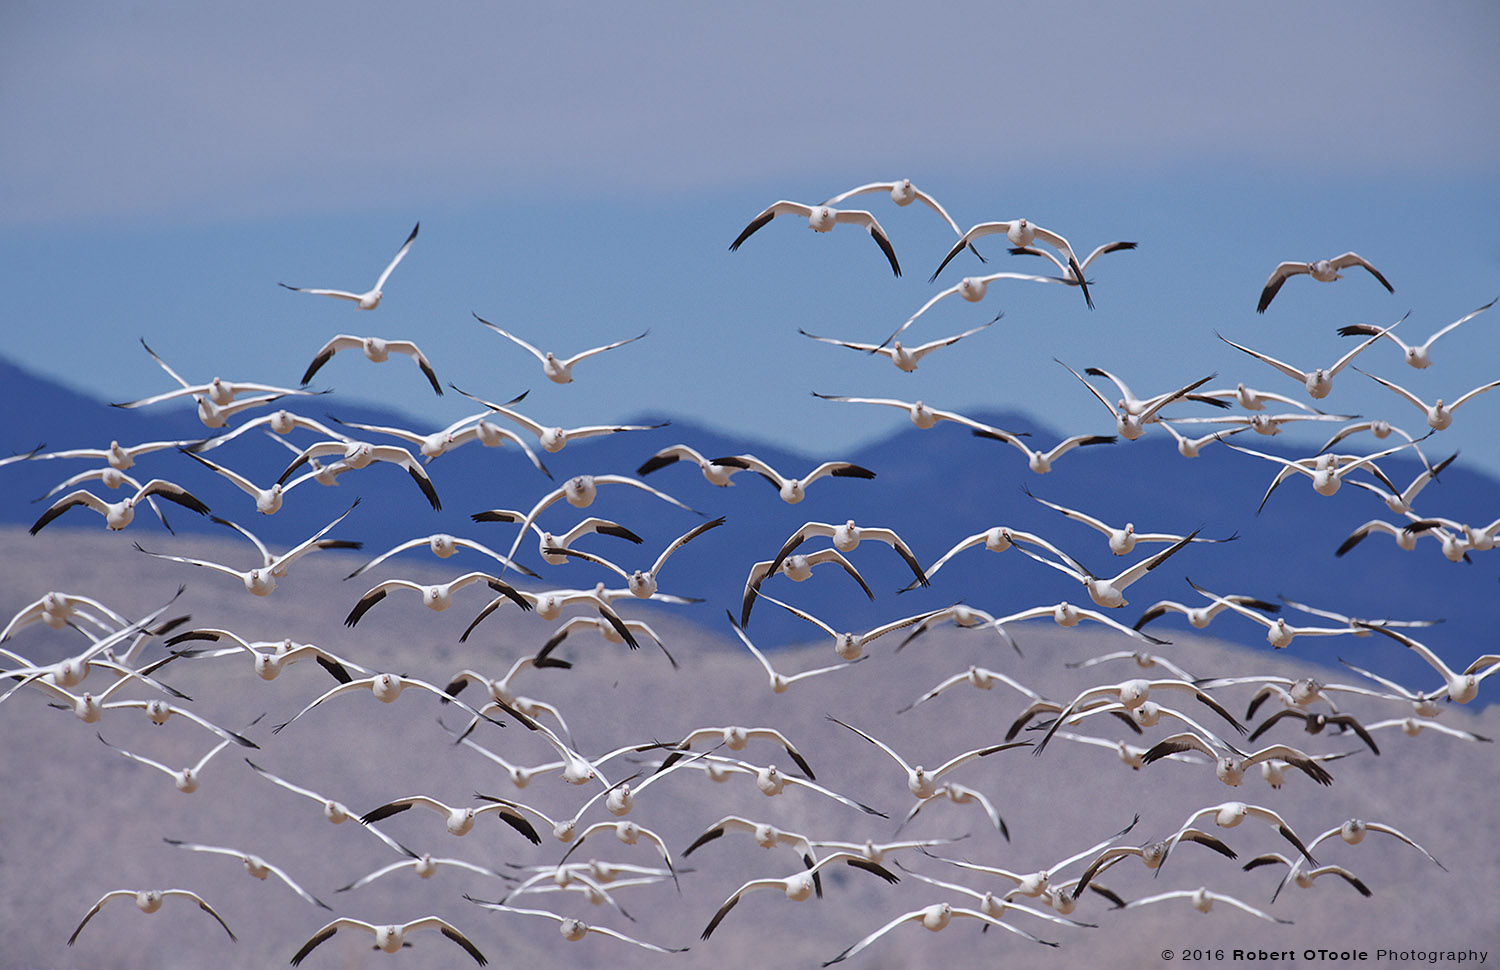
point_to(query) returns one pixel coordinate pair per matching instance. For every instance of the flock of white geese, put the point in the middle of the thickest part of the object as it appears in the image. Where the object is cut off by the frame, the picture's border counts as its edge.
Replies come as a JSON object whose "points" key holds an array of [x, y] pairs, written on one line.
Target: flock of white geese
{"points": [[116, 663]]}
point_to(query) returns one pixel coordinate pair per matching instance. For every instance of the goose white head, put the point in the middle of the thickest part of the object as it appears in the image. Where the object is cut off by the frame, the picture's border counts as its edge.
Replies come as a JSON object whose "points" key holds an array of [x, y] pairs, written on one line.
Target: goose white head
{"points": [[903, 192], [972, 288], [580, 491]]}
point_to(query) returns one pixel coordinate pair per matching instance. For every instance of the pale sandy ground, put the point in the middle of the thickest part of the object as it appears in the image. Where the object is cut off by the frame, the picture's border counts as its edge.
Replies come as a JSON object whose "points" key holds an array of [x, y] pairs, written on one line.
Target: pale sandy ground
{"points": [[79, 820]]}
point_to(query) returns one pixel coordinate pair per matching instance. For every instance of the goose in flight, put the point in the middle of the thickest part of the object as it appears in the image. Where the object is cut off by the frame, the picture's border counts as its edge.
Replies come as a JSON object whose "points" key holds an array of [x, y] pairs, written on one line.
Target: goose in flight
{"points": [[972, 289], [261, 580], [851, 646], [1439, 413], [1203, 901], [1279, 633], [553, 438], [149, 901], [1305, 878], [281, 422], [798, 568], [370, 299], [442, 545], [903, 193], [642, 582], [793, 490], [846, 537], [378, 350], [572, 929], [1121, 540], [458, 820], [1420, 355], [780, 683], [438, 596], [1460, 686], [905, 358], [935, 918], [390, 937], [186, 779], [558, 370], [335, 811], [1131, 414], [715, 473], [920, 781], [799, 886], [1022, 233], [1110, 593], [358, 454], [118, 515], [256, 866], [1230, 767], [822, 218], [270, 657], [1319, 380], [1074, 279], [1322, 270]]}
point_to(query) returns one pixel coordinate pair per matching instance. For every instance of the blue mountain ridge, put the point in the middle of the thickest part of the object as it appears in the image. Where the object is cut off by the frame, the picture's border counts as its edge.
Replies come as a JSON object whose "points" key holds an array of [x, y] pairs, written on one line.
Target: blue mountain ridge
{"points": [[933, 487]]}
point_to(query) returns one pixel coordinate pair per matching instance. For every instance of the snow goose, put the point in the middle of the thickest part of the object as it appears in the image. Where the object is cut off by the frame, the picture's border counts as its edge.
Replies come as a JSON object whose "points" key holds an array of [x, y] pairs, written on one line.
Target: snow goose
{"points": [[554, 438], [425, 866], [580, 492], [905, 358], [903, 193], [1131, 694], [1121, 540], [572, 929], [822, 218], [149, 901], [390, 937], [269, 657], [1203, 901], [370, 299], [549, 541], [261, 580], [437, 596], [642, 582], [118, 515], [1305, 878], [118, 456], [1439, 414], [458, 820], [1039, 461], [442, 545], [359, 454], [972, 289], [186, 779], [793, 490], [1132, 425], [799, 886], [1068, 269], [256, 866], [1200, 616], [779, 682], [1230, 767], [1420, 355], [1400, 502], [715, 473], [1314, 722], [1151, 854], [1326, 472], [335, 811], [281, 422], [1021, 233], [997, 538], [558, 370], [935, 918], [1319, 380], [377, 350], [981, 678], [846, 538], [920, 781], [1460, 686], [798, 568], [1279, 633], [851, 645], [386, 688], [1322, 270], [1229, 814], [1110, 592]]}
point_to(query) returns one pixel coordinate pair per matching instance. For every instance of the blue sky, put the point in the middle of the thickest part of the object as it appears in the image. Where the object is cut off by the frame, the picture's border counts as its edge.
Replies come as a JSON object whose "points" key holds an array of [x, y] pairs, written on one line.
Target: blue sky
{"points": [[580, 169]]}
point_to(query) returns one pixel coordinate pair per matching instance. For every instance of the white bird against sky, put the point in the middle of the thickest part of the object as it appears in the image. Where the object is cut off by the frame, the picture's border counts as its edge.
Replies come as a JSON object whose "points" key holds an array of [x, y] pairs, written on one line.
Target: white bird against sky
{"points": [[558, 371], [370, 299], [1322, 270], [1417, 355], [822, 218], [1319, 380], [148, 901], [904, 358], [378, 350]]}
